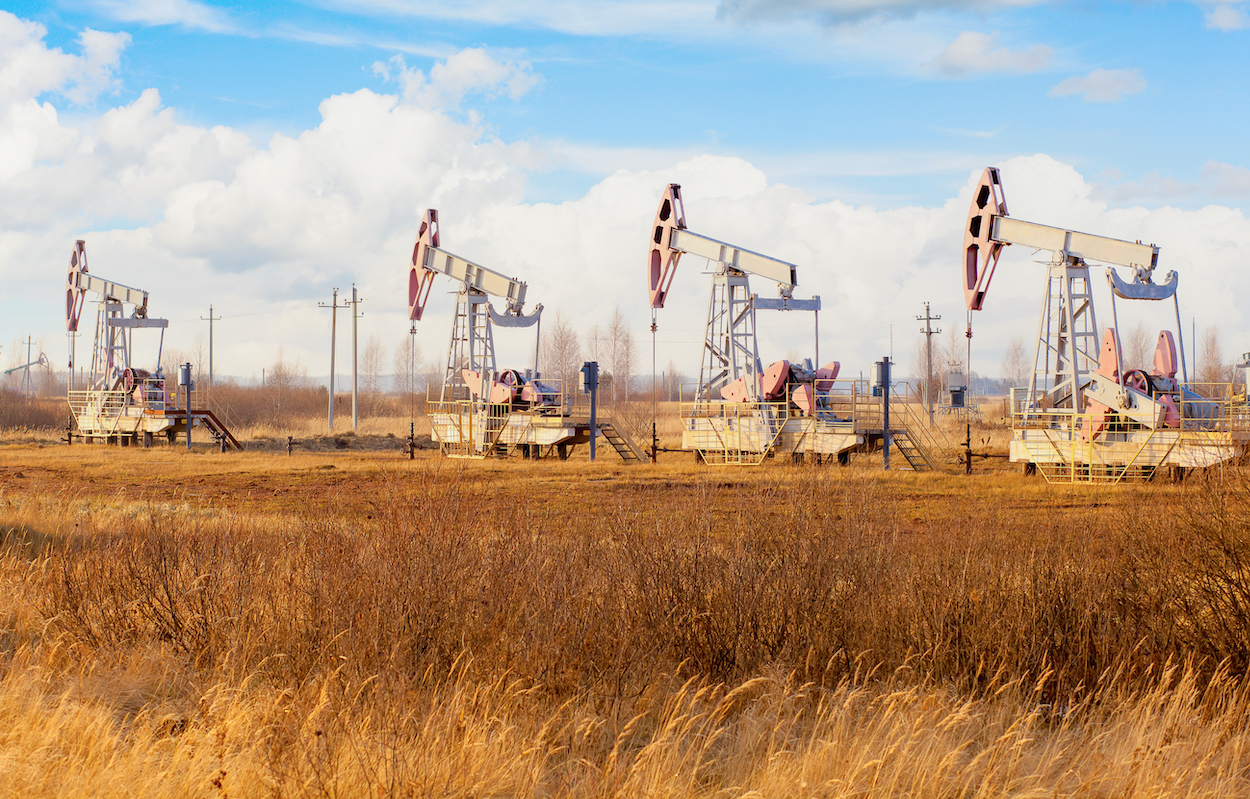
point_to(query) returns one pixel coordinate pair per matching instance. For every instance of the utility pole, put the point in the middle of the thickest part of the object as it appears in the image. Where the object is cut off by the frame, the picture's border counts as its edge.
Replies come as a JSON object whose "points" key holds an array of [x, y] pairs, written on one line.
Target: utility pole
{"points": [[929, 331], [27, 383], [210, 319], [334, 316], [355, 316]]}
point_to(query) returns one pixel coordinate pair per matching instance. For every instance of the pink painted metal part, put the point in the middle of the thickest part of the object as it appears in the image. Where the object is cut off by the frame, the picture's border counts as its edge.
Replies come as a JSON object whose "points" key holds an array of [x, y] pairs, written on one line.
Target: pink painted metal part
{"points": [[773, 383], [421, 279], [1171, 410], [826, 374], [74, 296], [473, 380], [1108, 357], [536, 392], [735, 391], [980, 252], [1165, 361], [1137, 380], [500, 394], [803, 397], [1108, 366], [506, 387], [511, 377], [1165, 365], [662, 259], [532, 394]]}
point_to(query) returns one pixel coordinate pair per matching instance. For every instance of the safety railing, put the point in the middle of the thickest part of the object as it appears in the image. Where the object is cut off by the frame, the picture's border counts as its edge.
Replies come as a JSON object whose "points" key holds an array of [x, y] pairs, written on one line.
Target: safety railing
{"points": [[847, 402], [907, 413], [1207, 407], [736, 433], [98, 412], [1067, 446], [467, 429], [746, 433], [1215, 407]]}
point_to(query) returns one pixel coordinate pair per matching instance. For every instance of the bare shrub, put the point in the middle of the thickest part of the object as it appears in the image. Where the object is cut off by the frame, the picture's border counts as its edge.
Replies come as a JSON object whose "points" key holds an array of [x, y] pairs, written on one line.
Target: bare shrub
{"points": [[16, 411], [811, 573], [440, 629]]}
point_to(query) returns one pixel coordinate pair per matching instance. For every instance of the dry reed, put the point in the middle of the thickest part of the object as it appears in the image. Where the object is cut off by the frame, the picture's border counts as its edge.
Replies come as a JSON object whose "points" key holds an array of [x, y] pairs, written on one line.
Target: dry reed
{"points": [[551, 630]]}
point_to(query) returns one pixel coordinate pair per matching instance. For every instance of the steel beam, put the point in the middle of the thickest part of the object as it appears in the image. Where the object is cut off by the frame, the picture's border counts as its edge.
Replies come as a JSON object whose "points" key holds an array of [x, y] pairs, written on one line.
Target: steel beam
{"points": [[475, 276], [743, 260], [85, 281], [1009, 230]]}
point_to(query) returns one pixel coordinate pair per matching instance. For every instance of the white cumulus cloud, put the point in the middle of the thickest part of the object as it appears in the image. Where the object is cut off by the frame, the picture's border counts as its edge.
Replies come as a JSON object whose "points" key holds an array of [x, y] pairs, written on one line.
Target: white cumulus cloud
{"points": [[1226, 15], [1227, 180], [1102, 85], [263, 230], [973, 52], [28, 68], [470, 71], [30, 130]]}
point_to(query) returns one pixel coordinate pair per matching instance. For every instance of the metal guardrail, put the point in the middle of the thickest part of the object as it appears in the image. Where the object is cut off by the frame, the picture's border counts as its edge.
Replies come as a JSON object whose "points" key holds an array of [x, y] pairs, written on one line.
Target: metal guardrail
{"points": [[932, 443], [467, 429], [746, 433], [1059, 445], [1207, 407]]}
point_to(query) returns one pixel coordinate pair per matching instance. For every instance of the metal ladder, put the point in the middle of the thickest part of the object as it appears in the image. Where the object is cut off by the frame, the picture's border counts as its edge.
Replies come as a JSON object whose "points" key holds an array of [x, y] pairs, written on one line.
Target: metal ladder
{"points": [[918, 460], [622, 443]]}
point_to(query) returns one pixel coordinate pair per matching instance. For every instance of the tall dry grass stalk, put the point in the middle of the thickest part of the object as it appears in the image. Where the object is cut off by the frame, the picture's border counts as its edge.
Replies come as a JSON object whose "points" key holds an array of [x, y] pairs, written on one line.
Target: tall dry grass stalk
{"points": [[138, 730], [469, 629]]}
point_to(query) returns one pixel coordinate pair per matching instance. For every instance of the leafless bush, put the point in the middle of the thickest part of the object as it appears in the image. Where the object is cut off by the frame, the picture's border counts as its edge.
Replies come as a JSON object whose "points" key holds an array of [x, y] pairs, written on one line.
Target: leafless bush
{"points": [[35, 413], [810, 573], [435, 629]]}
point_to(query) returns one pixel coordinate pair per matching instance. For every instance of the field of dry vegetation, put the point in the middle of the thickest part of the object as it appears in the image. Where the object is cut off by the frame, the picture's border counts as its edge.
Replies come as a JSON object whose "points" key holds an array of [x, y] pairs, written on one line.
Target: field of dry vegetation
{"points": [[351, 623]]}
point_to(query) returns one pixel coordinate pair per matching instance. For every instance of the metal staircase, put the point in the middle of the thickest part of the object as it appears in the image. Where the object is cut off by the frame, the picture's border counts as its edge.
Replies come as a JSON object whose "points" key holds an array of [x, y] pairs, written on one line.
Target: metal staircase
{"points": [[918, 458], [921, 446], [217, 428], [622, 443]]}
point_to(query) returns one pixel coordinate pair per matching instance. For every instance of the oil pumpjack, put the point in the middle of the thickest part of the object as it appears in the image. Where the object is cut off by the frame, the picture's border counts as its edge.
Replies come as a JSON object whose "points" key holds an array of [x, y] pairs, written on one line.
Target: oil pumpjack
{"points": [[742, 412], [123, 403], [1084, 417], [481, 411]]}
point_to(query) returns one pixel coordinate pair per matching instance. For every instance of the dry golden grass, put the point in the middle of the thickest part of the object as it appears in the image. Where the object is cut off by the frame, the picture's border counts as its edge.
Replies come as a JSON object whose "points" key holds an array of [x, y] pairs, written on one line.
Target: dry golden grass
{"points": [[133, 733], [351, 623]]}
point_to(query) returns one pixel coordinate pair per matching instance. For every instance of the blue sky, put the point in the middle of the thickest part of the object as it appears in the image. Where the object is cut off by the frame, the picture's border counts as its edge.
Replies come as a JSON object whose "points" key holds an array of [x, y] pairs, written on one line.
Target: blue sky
{"points": [[852, 108], [872, 115]]}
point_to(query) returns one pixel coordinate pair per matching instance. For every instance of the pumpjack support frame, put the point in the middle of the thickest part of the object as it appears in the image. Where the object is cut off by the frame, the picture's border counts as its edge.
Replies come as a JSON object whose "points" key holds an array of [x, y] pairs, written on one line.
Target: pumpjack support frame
{"points": [[1083, 417]]}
